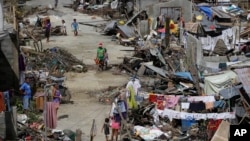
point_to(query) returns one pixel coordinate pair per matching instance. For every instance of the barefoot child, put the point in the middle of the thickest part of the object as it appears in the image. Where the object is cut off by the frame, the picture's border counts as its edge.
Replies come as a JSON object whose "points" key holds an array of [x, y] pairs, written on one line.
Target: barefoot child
{"points": [[106, 128]]}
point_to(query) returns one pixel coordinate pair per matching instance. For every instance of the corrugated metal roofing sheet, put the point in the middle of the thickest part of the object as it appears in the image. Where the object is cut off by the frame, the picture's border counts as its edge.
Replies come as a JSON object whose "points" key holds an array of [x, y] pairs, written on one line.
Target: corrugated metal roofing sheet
{"points": [[244, 78], [218, 11]]}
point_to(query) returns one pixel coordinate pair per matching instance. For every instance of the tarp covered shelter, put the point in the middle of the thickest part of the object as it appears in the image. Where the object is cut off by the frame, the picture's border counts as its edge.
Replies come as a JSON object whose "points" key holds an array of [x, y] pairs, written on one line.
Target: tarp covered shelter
{"points": [[215, 83]]}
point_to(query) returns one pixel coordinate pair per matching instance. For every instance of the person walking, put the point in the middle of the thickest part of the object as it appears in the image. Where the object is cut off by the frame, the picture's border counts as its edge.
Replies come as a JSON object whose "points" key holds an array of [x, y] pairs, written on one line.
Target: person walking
{"points": [[75, 27], [26, 91], [115, 129], [100, 55], [56, 3], [105, 128], [47, 29], [106, 58], [64, 31]]}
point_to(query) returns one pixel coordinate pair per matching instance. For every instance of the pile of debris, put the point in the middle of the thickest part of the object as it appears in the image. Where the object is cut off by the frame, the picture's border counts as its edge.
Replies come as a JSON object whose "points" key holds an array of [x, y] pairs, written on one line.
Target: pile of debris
{"points": [[106, 9], [54, 60], [36, 131]]}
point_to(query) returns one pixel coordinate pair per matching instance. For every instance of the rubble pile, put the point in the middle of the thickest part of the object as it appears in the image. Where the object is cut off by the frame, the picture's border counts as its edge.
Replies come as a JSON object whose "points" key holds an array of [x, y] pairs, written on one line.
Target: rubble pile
{"points": [[191, 58], [36, 131], [54, 59], [110, 10]]}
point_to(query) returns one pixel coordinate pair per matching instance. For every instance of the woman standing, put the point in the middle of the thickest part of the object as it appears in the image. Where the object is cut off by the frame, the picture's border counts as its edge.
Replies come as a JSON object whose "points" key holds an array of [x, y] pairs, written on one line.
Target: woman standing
{"points": [[56, 96], [106, 58]]}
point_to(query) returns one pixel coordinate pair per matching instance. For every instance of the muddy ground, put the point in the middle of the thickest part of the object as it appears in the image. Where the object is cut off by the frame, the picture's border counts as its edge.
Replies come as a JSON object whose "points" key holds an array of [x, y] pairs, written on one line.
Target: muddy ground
{"points": [[85, 107]]}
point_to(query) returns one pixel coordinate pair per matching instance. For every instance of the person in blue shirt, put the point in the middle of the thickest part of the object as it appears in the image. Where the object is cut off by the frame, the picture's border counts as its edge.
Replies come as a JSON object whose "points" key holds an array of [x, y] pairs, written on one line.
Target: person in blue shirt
{"points": [[75, 27], [26, 91]]}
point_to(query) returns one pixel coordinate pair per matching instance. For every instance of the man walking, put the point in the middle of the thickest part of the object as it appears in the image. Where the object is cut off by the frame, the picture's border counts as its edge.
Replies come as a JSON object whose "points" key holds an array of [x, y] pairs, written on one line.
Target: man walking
{"points": [[26, 91], [100, 55]]}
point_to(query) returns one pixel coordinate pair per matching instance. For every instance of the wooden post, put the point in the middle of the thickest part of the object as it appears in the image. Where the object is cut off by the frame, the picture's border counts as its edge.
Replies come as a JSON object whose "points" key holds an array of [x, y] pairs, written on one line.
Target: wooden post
{"points": [[93, 131], [14, 17], [167, 32]]}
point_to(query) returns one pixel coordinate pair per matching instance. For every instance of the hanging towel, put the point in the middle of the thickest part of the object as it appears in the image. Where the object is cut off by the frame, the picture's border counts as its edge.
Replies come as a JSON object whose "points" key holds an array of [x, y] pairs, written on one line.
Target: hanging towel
{"points": [[131, 99], [171, 101]]}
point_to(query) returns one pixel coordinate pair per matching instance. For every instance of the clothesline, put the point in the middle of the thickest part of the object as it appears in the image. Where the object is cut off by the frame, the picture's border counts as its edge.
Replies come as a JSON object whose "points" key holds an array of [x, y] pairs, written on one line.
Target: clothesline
{"points": [[172, 114]]}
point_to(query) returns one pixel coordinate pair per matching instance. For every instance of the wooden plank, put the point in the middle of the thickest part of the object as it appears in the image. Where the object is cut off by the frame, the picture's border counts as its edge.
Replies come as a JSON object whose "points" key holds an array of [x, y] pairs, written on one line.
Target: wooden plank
{"points": [[2, 125], [128, 68], [222, 132], [167, 32], [141, 70], [194, 74]]}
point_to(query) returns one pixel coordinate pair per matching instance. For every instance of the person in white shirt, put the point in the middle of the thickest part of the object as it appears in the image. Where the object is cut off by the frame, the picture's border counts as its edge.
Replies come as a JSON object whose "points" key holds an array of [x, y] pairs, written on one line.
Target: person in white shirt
{"points": [[248, 16], [64, 32]]}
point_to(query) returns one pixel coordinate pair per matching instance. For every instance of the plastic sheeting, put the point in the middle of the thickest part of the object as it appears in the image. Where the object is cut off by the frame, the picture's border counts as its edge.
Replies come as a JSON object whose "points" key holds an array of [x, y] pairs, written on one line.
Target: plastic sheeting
{"points": [[149, 134], [185, 75], [207, 10], [213, 84]]}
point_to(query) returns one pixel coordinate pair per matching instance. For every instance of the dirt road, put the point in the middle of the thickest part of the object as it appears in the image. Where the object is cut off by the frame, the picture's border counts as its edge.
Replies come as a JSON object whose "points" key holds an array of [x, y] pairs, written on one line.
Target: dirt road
{"points": [[85, 108]]}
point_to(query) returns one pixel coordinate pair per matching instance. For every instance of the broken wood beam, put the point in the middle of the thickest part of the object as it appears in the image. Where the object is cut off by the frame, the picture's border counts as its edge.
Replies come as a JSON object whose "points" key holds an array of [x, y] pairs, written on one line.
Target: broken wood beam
{"points": [[127, 68]]}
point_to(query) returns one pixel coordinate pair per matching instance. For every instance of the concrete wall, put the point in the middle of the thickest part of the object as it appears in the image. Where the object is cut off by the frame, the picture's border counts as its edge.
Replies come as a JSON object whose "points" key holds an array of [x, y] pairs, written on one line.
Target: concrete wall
{"points": [[8, 64], [142, 4], [9, 69], [154, 10]]}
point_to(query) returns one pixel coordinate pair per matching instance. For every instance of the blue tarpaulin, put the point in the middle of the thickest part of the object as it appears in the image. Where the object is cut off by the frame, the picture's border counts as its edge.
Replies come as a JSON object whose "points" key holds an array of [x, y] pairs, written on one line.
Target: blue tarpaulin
{"points": [[207, 10], [186, 75]]}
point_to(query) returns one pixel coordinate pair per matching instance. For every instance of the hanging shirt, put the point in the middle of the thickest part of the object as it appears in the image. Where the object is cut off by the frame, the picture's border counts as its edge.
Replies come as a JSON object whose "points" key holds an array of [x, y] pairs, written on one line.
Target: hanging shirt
{"points": [[171, 101], [248, 16], [131, 99], [197, 106], [135, 84]]}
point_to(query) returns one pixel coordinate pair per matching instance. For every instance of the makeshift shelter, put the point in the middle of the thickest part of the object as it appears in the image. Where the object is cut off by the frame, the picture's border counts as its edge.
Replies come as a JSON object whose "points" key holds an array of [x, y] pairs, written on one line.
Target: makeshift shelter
{"points": [[213, 84], [220, 47]]}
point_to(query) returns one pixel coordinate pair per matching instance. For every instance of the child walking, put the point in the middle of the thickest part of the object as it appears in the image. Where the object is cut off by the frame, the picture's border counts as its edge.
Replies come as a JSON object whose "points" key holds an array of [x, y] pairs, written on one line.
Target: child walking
{"points": [[64, 32], [75, 27], [106, 128]]}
